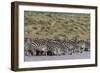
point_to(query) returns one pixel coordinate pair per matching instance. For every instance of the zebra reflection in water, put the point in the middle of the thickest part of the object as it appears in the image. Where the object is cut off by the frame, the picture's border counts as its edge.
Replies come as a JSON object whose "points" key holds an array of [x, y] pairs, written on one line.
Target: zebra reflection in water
{"points": [[51, 47]]}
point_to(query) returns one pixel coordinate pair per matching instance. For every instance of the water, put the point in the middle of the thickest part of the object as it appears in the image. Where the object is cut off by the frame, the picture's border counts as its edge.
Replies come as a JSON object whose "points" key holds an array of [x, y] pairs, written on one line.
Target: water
{"points": [[84, 55]]}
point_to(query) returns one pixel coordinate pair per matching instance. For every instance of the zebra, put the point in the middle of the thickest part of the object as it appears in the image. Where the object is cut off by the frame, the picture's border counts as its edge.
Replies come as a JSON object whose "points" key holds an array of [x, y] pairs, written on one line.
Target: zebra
{"points": [[55, 47], [27, 47], [87, 46], [65, 45], [40, 47], [81, 46], [76, 46], [50, 47]]}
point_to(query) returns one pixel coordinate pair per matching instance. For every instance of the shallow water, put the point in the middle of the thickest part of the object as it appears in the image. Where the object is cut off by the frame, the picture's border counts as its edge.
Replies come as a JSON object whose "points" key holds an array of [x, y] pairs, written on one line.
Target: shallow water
{"points": [[84, 55]]}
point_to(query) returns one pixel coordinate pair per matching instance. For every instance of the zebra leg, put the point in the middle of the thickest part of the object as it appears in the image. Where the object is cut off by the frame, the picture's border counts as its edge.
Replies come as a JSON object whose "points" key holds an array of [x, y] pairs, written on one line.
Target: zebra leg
{"points": [[81, 50], [25, 52], [30, 52], [37, 53], [69, 51], [86, 49]]}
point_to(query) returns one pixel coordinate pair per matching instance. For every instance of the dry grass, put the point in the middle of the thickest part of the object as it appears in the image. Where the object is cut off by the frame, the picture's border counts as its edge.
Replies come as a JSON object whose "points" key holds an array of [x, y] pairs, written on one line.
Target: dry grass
{"points": [[56, 25]]}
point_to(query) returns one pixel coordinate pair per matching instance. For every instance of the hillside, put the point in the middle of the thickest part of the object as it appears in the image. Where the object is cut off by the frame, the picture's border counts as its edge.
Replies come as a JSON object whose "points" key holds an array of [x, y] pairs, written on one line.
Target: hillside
{"points": [[56, 25]]}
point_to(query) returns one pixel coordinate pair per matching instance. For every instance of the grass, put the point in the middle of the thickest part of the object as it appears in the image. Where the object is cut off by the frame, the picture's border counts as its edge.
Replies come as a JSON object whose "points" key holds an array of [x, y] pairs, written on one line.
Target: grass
{"points": [[56, 25]]}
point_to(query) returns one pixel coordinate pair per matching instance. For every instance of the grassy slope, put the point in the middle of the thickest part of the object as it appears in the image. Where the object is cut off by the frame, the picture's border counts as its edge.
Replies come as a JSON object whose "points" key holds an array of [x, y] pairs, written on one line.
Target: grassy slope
{"points": [[56, 25]]}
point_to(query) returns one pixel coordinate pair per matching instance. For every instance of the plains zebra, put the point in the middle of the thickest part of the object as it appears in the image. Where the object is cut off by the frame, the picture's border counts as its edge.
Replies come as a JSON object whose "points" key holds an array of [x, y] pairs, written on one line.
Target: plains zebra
{"points": [[87, 46], [55, 47], [76, 46], [27, 47], [39, 47]]}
